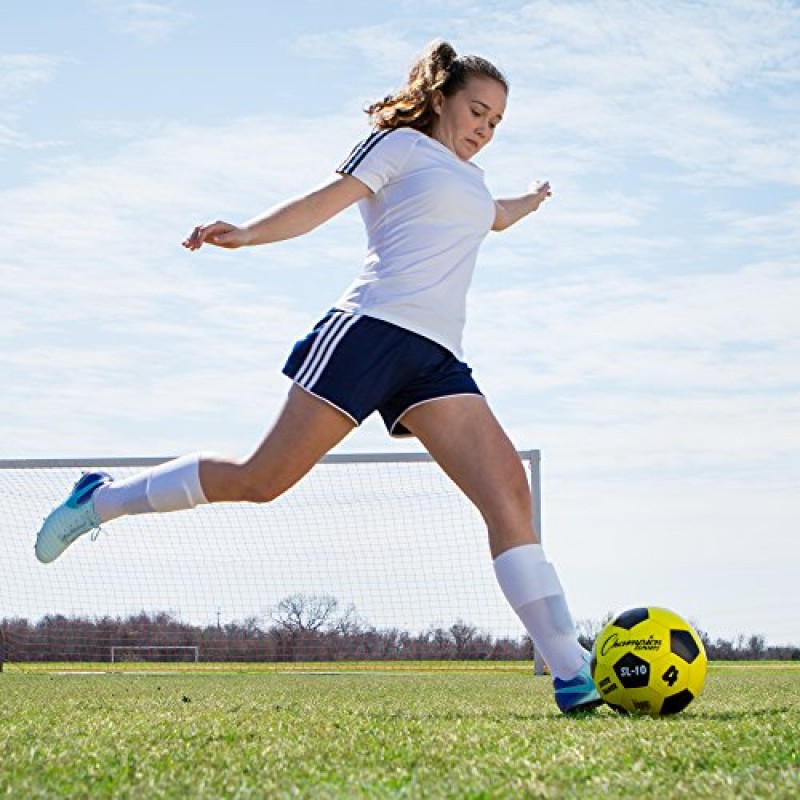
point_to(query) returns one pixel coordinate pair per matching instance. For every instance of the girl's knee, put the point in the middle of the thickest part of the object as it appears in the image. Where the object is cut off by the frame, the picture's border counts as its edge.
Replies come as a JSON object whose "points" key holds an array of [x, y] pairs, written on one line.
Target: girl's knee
{"points": [[255, 486], [509, 508]]}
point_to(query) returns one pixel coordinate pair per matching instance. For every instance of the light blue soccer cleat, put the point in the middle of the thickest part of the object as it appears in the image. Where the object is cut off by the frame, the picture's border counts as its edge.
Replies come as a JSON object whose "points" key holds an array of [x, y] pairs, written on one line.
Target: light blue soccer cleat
{"points": [[578, 693], [74, 517]]}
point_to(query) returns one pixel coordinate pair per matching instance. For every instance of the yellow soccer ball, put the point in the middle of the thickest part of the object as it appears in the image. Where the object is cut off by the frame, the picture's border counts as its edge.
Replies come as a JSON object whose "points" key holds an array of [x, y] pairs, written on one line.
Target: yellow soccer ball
{"points": [[649, 661]]}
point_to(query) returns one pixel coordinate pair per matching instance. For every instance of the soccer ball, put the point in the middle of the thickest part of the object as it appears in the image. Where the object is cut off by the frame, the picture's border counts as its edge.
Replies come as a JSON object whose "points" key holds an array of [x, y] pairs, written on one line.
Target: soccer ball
{"points": [[649, 661]]}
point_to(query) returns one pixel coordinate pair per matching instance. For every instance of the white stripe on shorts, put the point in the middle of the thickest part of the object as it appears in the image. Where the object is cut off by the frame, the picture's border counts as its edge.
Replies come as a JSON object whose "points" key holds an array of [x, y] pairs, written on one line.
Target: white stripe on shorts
{"points": [[320, 354]]}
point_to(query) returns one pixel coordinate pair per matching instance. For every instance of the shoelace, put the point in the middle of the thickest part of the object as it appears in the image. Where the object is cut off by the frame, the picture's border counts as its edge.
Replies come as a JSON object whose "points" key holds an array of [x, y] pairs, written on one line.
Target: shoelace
{"points": [[69, 537]]}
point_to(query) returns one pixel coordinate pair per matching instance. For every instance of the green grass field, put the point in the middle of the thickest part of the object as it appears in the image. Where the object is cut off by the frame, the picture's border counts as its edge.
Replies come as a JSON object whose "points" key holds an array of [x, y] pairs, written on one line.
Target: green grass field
{"points": [[375, 734]]}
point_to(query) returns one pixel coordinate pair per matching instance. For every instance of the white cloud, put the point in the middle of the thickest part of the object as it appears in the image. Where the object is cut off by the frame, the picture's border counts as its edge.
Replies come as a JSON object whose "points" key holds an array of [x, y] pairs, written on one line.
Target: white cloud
{"points": [[387, 50], [19, 72], [8, 136], [777, 232], [680, 49], [150, 21]]}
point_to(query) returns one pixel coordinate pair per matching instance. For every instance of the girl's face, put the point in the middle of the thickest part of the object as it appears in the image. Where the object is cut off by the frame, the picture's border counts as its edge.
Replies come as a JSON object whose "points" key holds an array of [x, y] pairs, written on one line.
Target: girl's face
{"points": [[466, 121]]}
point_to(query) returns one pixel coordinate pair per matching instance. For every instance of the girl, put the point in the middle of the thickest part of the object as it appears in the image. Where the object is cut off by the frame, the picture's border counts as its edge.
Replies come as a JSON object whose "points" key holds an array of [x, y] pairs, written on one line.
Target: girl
{"points": [[391, 343]]}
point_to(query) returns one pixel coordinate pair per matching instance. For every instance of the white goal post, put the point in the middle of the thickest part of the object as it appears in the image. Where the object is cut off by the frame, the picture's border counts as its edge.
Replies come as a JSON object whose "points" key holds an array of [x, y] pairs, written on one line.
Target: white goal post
{"points": [[373, 557], [127, 648]]}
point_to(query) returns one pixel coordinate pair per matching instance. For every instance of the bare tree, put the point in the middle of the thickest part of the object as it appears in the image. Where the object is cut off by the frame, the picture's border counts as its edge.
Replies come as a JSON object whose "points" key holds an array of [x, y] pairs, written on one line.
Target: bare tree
{"points": [[301, 613], [349, 623], [756, 646], [462, 634], [589, 629], [442, 641]]}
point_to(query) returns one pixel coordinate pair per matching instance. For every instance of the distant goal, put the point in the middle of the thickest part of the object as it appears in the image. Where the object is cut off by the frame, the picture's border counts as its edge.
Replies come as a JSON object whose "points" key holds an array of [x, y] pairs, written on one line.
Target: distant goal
{"points": [[122, 653]]}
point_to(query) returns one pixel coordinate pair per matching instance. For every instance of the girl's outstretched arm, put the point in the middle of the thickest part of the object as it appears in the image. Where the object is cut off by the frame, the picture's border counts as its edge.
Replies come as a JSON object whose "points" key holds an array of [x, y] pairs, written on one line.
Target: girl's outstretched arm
{"points": [[513, 209], [285, 221]]}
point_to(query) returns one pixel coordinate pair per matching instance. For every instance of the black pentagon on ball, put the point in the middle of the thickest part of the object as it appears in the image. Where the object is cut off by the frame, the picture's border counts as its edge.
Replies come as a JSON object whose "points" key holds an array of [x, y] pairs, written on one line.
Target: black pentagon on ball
{"points": [[682, 643], [676, 702], [627, 619], [633, 672]]}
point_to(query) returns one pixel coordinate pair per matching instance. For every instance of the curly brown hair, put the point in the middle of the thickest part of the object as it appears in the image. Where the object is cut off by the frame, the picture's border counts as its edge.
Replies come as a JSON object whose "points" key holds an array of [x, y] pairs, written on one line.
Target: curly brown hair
{"points": [[439, 68]]}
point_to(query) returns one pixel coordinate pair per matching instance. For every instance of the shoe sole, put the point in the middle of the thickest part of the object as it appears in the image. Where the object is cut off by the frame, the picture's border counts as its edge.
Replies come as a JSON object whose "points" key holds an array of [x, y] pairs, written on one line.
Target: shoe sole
{"points": [[581, 708]]}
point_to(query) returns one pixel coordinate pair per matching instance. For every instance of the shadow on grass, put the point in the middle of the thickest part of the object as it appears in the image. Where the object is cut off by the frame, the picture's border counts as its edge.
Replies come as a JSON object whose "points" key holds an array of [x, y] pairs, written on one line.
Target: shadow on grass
{"points": [[715, 716], [724, 716]]}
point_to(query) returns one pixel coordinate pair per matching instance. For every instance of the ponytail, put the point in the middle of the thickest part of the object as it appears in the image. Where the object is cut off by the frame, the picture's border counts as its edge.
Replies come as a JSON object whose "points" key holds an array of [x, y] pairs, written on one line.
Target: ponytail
{"points": [[439, 68]]}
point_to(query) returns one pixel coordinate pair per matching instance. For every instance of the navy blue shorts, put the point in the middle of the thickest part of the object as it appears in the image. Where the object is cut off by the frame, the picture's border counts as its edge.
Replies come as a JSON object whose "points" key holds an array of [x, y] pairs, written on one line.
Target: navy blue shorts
{"points": [[360, 364]]}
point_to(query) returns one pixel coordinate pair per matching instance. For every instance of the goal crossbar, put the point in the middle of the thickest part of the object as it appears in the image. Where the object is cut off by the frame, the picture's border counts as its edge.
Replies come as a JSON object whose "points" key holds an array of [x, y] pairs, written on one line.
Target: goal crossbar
{"points": [[533, 456]]}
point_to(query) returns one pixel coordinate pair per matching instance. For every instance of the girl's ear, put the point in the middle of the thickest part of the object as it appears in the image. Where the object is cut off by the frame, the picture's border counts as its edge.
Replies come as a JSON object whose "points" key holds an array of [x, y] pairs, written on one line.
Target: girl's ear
{"points": [[437, 101]]}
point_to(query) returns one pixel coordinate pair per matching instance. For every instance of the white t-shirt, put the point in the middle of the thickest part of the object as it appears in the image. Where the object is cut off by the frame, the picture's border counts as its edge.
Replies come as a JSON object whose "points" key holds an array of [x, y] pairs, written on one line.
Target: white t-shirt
{"points": [[425, 221]]}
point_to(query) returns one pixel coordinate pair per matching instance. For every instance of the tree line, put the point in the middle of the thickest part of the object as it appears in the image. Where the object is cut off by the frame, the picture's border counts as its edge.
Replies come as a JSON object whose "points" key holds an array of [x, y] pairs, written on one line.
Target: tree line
{"points": [[300, 628]]}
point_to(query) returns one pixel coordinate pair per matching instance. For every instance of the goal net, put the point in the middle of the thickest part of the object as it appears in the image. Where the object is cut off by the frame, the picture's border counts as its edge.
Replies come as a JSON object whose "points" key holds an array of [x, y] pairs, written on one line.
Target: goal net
{"points": [[372, 559]]}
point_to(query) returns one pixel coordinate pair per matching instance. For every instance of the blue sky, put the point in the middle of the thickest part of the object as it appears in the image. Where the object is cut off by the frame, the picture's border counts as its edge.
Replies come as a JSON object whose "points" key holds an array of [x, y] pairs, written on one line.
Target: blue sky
{"points": [[642, 329]]}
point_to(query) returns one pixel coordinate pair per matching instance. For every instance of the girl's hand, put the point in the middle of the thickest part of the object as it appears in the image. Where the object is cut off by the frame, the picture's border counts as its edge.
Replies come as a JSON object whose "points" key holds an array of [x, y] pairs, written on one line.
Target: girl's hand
{"points": [[541, 190], [221, 234]]}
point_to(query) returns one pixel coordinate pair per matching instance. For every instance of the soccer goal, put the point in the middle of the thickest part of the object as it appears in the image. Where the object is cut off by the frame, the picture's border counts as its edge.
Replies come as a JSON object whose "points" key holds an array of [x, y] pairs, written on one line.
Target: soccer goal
{"points": [[154, 652], [371, 560]]}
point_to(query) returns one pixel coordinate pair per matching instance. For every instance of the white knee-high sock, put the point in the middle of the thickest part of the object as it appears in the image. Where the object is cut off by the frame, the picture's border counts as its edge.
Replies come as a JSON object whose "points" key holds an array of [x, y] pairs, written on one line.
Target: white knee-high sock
{"points": [[531, 585], [172, 486]]}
